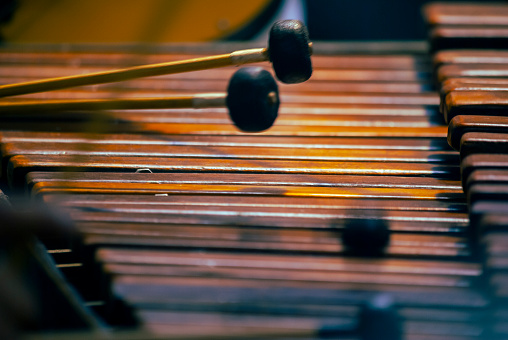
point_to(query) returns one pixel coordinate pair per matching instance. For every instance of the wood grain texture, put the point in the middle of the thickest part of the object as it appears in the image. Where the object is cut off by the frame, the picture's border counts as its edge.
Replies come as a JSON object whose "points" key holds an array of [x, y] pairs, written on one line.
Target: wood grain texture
{"points": [[243, 232], [462, 124]]}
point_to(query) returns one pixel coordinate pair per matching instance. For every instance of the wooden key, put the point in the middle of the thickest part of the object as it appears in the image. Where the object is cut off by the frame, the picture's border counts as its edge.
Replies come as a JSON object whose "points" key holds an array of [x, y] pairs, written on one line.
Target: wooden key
{"points": [[489, 222], [344, 86], [179, 85], [351, 80], [306, 116], [489, 209], [483, 142], [469, 84], [249, 141], [317, 180], [254, 118], [330, 213], [462, 124], [221, 129], [493, 71], [490, 177], [275, 239], [68, 199], [297, 212], [482, 162], [21, 164], [320, 280], [369, 74], [315, 98], [234, 152], [492, 192], [496, 84], [150, 188], [466, 14], [127, 284], [458, 26], [488, 103], [314, 86], [465, 84], [339, 111], [38, 58], [299, 263], [293, 115], [449, 239], [314, 117], [495, 222], [336, 294], [468, 36], [323, 212], [269, 267], [496, 265], [463, 56], [179, 323]]}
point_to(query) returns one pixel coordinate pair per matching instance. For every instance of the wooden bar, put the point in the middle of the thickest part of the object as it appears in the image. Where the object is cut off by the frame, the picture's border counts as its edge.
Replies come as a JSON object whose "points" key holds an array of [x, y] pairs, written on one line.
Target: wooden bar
{"points": [[465, 84], [233, 152], [491, 71], [68, 199], [240, 140], [466, 26], [483, 142], [487, 177], [19, 165], [495, 192], [468, 36], [463, 124], [487, 103], [321, 74], [466, 14], [482, 162], [473, 56]]}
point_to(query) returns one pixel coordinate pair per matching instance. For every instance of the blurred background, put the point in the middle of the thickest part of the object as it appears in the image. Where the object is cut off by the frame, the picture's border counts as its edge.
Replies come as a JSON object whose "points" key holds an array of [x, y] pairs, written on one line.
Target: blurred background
{"points": [[162, 21]]}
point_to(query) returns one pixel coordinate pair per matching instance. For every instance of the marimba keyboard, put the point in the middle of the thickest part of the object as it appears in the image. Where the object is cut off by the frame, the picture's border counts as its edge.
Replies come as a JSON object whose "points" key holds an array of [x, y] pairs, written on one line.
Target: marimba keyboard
{"points": [[191, 229]]}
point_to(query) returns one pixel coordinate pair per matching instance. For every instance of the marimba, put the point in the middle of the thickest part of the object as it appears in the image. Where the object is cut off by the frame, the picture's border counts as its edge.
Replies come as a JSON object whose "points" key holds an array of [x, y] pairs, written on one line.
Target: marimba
{"points": [[190, 229]]}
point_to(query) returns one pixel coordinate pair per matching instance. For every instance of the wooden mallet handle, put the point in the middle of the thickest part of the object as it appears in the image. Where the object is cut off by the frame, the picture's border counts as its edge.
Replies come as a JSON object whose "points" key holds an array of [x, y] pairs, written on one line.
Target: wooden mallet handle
{"points": [[174, 102], [252, 100], [234, 58], [289, 50]]}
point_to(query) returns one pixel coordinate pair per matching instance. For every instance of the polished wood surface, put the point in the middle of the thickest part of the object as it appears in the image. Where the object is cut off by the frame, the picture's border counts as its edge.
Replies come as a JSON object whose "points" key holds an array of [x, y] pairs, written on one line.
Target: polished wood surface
{"points": [[362, 138], [200, 228]]}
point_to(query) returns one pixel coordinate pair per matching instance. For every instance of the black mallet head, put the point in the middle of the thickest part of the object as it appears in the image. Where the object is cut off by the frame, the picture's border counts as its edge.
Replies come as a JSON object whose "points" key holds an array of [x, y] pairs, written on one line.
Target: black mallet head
{"points": [[290, 50], [253, 99], [366, 236]]}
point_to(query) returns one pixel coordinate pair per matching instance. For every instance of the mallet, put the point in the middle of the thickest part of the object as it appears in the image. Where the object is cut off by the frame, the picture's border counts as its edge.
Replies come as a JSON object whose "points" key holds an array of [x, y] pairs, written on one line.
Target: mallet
{"points": [[252, 100], [289, 50]]}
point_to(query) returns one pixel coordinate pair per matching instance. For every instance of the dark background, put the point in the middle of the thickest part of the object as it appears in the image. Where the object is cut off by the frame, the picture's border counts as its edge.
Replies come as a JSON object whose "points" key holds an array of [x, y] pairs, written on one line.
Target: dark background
{"points": [[334, 19], [366, 19]]}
